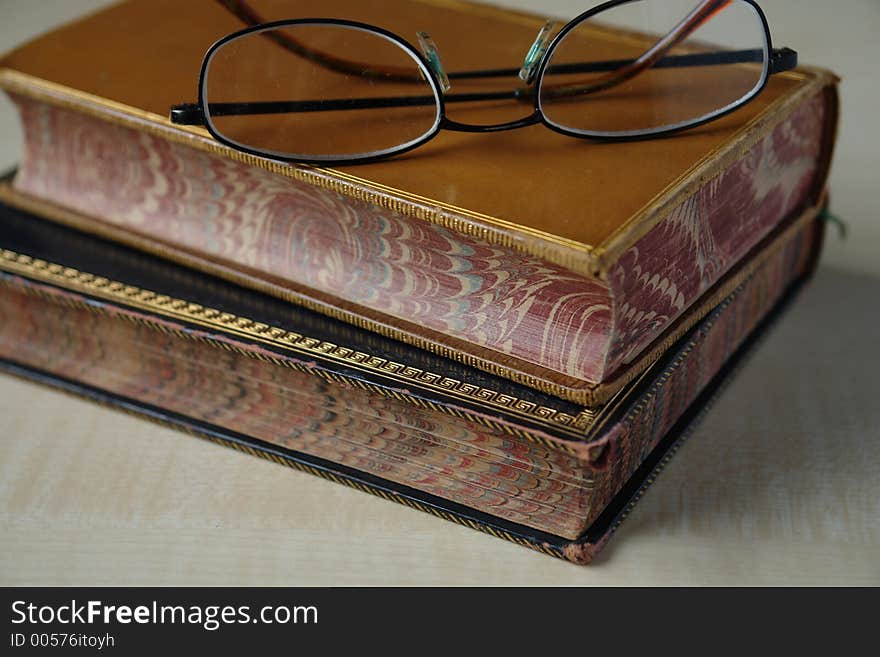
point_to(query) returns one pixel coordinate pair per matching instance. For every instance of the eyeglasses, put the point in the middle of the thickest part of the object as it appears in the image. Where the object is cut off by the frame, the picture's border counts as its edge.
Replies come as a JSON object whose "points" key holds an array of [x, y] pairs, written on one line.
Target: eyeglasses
{"points": [[330, 92]]}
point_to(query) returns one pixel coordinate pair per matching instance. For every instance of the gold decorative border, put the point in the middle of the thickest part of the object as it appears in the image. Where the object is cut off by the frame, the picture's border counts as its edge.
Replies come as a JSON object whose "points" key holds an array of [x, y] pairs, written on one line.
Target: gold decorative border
{"points": [[309, 348], [584, 259]]}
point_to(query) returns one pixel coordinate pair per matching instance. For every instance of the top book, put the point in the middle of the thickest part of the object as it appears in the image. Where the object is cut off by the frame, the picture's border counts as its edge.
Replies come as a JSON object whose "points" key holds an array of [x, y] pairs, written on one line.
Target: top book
{"points": [[563, 264]]}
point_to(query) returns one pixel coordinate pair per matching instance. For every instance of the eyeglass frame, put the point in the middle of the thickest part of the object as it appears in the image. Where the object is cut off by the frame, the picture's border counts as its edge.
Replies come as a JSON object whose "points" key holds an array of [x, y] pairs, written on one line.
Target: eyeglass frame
{"points": [[775, 61]]}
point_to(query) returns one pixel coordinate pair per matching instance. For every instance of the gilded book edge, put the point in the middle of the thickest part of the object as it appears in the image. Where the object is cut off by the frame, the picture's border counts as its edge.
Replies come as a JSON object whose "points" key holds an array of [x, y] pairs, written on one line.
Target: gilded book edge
{"points": [[159, 307]]}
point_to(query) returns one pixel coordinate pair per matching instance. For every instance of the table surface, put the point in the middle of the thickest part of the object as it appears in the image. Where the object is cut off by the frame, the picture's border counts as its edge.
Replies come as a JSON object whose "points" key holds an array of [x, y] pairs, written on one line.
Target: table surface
{"points": [[778, 485]]}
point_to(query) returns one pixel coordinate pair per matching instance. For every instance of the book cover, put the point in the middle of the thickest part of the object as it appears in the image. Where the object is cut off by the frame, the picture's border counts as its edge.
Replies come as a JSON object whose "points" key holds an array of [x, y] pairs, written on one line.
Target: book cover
{"points": [[274, 380], [567, 267]]}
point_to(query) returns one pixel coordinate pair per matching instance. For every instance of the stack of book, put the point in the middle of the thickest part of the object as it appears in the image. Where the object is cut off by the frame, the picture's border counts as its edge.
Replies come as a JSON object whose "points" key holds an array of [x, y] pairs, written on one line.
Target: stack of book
{"points": [[510, 331]]}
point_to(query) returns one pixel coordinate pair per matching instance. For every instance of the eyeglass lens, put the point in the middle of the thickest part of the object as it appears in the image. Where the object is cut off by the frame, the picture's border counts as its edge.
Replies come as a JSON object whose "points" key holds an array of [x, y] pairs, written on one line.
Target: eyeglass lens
{"points": [[315, 90], [678, 62]]}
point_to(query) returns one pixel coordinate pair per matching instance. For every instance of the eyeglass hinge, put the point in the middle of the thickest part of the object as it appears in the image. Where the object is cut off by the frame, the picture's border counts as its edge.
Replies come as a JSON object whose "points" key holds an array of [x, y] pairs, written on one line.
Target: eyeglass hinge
{"points": [[187, 114], [783, 59]]}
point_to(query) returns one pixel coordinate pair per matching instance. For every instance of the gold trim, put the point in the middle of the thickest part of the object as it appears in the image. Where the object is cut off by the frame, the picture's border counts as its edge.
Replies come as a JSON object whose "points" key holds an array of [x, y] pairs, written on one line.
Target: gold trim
{"points": [[308, 348], [577, 257]]}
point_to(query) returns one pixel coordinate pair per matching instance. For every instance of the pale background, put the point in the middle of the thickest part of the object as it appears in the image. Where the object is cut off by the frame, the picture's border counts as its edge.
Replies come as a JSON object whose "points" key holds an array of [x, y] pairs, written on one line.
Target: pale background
{"points": [[780, 484]]}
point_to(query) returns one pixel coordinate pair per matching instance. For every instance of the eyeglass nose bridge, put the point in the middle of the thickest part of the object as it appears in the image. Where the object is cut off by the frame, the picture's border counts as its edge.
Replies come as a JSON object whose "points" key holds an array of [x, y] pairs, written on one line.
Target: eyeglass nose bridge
{"points": [[536, 52]]}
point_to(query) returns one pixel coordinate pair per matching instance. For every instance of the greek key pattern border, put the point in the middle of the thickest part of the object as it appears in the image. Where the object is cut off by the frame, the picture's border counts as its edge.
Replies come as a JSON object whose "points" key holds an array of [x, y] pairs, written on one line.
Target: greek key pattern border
{"points": [[307, 347]]}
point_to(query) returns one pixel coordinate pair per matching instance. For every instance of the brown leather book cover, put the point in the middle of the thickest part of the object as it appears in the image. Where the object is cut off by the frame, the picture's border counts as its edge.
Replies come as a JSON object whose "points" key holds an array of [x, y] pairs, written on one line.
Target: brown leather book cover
{"points": [[564, 265]]}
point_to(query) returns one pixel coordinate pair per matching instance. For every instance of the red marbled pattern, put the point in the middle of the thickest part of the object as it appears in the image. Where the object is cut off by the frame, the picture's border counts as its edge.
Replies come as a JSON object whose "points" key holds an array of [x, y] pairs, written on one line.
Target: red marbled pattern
{"points": [[717, 338], [403, 267], [658, 278], [409, 269], [443, 455]]}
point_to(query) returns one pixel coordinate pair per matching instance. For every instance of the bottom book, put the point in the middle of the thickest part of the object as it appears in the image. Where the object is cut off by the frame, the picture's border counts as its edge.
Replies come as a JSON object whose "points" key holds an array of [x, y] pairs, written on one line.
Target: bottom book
{"points": [[273, 380]]}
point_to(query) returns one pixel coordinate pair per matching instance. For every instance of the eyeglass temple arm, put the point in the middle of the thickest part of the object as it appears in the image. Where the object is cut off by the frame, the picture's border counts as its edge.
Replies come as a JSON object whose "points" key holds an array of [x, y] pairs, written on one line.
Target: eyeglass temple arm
{"points": [[192, 113], [248, 15], [781, 59]]}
